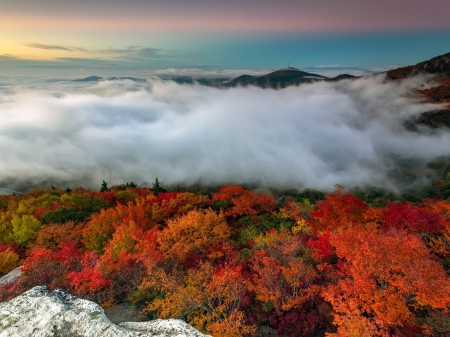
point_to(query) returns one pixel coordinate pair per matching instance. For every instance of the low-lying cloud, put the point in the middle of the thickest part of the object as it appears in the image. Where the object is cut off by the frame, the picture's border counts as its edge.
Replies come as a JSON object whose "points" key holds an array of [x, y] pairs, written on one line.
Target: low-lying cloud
{"points": [[316, 135]]}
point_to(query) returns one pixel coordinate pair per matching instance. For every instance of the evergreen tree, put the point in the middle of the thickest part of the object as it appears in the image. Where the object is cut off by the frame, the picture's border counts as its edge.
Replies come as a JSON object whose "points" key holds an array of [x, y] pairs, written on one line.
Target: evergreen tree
{"points": [[104, 186], [157, 188]]}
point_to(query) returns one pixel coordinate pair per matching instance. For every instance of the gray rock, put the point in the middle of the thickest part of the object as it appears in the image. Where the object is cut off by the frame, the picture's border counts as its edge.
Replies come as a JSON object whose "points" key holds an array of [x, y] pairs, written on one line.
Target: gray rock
{"points": [[123, 313], [11, 277], [40, 312]]}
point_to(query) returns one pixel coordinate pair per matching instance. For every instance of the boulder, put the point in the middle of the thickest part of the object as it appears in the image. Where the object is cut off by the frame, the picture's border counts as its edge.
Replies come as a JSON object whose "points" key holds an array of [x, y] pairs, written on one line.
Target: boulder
{"points": [[40, 312]]}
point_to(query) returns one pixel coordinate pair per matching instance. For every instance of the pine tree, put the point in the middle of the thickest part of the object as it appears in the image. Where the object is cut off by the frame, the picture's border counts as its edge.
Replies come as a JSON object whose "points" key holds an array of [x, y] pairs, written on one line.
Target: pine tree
{"points": [[156, 187], [104, 186]]}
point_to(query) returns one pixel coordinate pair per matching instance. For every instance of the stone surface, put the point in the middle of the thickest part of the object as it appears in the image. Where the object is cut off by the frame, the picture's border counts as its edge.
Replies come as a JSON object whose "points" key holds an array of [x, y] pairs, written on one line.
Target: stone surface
{"points": [[123, 313], [40, 312], [11, 277]]}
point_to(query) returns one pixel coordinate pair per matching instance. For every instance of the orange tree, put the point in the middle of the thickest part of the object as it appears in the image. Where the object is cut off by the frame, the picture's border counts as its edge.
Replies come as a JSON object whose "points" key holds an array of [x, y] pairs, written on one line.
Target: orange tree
{"points": [[386, 282]]}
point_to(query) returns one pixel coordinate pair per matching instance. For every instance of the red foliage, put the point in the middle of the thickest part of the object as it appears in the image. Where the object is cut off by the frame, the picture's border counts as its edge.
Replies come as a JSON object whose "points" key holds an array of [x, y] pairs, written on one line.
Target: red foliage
{"points": [[68, 254], [109, 196], [413, 219], [41, 210], [102, 225], [147, 247], [44, 266], [89, 279], [163, 197], [244, 202], [321, 247], [338, 211], [11, 246]]}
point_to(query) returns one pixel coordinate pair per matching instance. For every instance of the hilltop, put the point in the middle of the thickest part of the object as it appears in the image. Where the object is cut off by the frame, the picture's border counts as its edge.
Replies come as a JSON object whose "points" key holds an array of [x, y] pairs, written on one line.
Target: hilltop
{"points": [[438, 66], [281, 79]]}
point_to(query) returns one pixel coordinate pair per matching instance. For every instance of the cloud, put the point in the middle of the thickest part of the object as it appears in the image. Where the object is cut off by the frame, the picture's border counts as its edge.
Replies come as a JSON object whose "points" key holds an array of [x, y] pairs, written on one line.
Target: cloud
{"points": [[129, 52], [8, 57], [315, 135], [53, 47], [203, 72], [133, 52], [335, 70]]}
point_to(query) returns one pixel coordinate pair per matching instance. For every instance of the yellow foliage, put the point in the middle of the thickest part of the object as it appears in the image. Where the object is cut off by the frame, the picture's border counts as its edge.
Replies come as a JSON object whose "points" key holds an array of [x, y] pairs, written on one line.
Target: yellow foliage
{"points": [[8, 261]]}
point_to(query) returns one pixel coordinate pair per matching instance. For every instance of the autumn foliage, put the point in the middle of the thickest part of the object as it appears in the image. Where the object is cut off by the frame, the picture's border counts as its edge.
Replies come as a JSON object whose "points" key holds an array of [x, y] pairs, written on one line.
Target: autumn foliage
{"points": [[234, 262]]}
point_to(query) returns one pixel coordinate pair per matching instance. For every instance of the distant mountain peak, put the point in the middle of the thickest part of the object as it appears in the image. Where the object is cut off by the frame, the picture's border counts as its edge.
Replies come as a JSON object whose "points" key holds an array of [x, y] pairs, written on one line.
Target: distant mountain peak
{"points": [[290, 68]]}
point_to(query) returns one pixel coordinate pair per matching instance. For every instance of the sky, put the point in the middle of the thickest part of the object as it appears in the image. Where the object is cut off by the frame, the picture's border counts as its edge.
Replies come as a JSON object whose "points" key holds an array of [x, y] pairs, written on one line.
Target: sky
{"points": [[115, 37]]}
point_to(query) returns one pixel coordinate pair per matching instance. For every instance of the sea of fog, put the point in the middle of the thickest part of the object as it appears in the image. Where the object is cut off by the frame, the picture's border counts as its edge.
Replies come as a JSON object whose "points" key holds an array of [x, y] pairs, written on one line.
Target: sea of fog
{"points": [[66, 133]]}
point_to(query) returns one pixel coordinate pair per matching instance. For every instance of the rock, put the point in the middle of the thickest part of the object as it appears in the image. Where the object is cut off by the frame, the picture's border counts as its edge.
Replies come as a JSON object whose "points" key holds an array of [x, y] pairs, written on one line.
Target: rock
{"points": [[11, 277], [40, 312], [123, 313]]}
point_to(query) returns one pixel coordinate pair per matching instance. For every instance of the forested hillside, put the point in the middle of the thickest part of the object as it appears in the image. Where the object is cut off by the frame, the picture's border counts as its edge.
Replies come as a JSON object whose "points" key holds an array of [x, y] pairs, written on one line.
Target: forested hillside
{"points": [[234, 262]]}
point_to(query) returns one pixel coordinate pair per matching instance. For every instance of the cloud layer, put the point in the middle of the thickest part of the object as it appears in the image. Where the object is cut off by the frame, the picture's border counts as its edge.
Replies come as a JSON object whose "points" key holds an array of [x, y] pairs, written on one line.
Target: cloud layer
{"points": [[314, 135]]}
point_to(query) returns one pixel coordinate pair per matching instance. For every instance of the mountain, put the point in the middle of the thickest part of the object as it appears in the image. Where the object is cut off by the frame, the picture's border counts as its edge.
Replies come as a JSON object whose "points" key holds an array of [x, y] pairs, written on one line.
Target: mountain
{"points": [[438, 66], [276, 80], [88, 79], [341, 77], [282, 78], [98, 78]]}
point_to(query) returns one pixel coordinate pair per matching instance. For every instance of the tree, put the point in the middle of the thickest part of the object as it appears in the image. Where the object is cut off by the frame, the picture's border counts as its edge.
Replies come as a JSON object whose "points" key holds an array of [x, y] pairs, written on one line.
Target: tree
{"points": [[386, 280], [24, 229], [53, 236], [209, 299], [414, 219], [338, 211], [239, 201], [104, 186], [8, 260], [157, 188], [101, 226], [174, 204], [89, 279], [193, 233]]}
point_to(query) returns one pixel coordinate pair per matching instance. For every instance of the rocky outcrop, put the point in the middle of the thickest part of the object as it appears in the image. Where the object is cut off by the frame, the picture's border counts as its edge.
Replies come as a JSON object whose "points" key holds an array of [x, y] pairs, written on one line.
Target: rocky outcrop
{"points": [[40, 312], [11, 277]]}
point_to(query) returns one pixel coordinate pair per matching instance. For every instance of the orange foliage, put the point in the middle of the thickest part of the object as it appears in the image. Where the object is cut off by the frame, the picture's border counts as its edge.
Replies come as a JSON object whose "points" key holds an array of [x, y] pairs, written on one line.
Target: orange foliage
{"points": [[8, 260], [244, 202], [147, 247], [52, 236], [102, 225], [193, 233], [208, 299], [338, 211], [384, 276], [175, 204], [284, 280]]}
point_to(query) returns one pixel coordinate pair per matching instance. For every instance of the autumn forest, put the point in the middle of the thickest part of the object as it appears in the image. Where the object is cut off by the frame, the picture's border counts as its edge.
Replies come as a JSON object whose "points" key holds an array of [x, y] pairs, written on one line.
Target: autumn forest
{"points": [[232, 261]]}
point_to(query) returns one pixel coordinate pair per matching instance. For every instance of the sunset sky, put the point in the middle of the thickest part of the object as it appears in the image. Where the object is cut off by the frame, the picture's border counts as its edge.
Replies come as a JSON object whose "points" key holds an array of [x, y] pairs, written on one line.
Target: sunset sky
{"points": [[122, 37]]}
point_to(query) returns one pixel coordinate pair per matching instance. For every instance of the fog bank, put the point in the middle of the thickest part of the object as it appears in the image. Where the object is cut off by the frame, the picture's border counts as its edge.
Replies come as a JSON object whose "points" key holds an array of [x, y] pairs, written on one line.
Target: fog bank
{"points": [[315, 135]]}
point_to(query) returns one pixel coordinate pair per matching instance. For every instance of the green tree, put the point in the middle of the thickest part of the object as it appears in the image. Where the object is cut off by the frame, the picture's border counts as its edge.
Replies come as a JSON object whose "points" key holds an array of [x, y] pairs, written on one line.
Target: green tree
{"points": [[157, 188], [104, 186], [24, 228]]}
